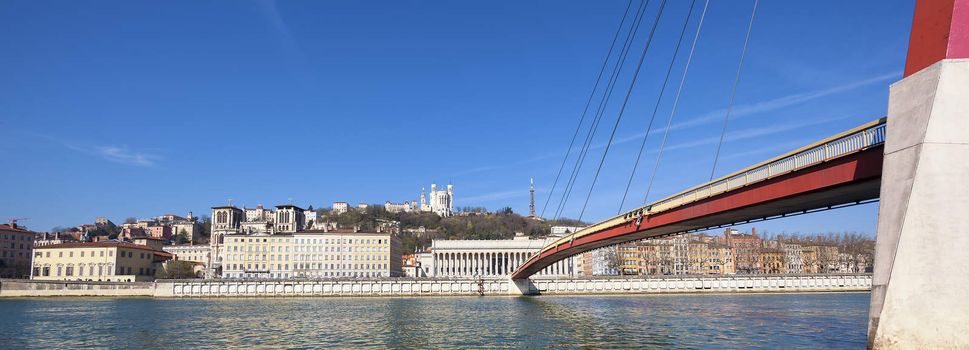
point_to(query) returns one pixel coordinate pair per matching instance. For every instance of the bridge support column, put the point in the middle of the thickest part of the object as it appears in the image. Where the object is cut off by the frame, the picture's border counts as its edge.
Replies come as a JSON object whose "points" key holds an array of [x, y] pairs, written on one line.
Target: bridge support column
{"points": [[920, 284], [522, 287]]}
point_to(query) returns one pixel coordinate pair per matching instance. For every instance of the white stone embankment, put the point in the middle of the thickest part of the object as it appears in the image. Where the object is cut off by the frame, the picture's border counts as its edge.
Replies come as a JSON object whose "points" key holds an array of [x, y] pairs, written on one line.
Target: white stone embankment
{"points": [[29, 288], [441, 287]]}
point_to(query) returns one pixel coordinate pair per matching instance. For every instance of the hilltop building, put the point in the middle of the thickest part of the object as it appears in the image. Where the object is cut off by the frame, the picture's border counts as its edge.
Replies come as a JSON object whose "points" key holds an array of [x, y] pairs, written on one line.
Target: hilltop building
{"points": [[440, 202]]}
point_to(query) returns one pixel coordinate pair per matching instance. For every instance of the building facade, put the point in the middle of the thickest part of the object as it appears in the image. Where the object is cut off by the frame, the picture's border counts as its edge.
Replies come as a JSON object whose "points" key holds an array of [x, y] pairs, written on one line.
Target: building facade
{"points": [[96, 261], [313, 254], [341, 207], [328, 254], [440, 202], [226, 220], [746, 251], [476, 258], [405, 207], [258, 256], [200, 254], [16, 244], [289, 218]]}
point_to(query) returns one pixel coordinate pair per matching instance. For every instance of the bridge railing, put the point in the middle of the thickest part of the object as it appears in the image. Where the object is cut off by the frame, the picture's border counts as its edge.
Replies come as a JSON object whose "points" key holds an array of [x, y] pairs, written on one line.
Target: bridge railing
{"points": [[862, 137], [856, 140]]}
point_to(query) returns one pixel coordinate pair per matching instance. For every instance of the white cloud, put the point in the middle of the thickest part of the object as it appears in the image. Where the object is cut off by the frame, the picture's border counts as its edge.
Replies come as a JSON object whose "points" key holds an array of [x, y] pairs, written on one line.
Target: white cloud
{"points": [[117, 154], [124, 156]]}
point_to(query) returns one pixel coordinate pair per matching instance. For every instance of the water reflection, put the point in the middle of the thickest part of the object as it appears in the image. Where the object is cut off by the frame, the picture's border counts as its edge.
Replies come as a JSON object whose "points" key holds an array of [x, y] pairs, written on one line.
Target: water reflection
{"points": [[654, 321]]}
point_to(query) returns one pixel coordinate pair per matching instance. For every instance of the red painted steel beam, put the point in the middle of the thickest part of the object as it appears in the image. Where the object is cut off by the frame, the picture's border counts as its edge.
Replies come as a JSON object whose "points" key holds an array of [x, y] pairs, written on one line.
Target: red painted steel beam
{"points": [[940, 30], [848, 179]]}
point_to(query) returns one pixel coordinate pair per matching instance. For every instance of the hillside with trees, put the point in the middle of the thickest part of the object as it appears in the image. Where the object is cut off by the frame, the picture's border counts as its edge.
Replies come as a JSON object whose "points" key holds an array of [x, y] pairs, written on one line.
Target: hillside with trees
{"points": [[469, 223]]}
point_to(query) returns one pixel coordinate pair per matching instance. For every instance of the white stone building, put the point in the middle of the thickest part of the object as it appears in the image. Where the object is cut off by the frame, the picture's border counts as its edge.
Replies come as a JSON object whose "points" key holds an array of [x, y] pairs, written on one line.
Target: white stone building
{"points": [[289, 218], [200, 254], [226, 220], [405, 207], [472, 258], [341, 207], [793, 257], [440, 202], [311, 218]]}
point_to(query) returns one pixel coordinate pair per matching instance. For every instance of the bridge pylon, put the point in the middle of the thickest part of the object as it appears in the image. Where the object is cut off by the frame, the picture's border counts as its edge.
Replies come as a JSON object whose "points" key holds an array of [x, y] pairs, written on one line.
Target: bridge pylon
{"points": [[919, 284]]}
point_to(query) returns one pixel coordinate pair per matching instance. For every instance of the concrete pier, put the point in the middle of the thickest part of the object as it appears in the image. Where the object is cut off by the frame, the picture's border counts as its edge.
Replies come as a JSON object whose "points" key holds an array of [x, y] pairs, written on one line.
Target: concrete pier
{"points": [[919, 294]]}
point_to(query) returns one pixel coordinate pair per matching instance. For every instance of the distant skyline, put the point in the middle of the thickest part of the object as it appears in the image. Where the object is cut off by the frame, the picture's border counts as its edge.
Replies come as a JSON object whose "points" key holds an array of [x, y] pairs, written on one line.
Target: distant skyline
{"points": [[122, 109]]}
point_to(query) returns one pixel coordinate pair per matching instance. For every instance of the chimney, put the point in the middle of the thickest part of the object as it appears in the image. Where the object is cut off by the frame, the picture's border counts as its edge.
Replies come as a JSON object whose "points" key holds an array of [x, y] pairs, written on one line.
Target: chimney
{"points": [[753, 231]]}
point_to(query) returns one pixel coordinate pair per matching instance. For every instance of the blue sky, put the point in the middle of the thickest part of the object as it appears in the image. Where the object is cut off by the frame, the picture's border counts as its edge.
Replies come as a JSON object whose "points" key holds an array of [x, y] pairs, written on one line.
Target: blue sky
{"points": [[118, 108]]}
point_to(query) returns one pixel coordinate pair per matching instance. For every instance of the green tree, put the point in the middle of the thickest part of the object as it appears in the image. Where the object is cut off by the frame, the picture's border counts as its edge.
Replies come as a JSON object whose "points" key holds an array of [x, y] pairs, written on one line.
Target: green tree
{"points": [[181, 237], [176, 269]]}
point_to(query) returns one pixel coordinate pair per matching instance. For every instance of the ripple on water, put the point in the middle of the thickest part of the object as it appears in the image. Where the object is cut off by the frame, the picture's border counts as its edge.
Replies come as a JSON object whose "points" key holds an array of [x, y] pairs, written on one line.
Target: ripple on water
{"points": [[641, 321]]}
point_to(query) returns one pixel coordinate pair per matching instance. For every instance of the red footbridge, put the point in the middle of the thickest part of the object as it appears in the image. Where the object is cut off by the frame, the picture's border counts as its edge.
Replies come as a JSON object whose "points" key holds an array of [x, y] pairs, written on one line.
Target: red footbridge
{"points": [[842, 170]]}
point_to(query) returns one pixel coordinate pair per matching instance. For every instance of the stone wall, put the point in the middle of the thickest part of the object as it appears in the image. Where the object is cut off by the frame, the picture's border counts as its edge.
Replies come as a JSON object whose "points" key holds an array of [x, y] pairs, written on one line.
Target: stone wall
{"points": [[330, 287], [33, 288], [440, 287], [500, 286]]}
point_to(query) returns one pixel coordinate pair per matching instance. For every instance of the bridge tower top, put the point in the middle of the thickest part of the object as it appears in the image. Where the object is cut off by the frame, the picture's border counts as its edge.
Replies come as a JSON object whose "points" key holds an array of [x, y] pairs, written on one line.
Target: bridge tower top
{"points": [[940, 30]]}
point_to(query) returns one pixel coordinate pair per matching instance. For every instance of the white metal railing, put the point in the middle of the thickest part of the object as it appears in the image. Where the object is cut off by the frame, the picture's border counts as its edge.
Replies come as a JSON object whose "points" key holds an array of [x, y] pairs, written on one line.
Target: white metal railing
{"points": [[857, 139], [826, 151]]}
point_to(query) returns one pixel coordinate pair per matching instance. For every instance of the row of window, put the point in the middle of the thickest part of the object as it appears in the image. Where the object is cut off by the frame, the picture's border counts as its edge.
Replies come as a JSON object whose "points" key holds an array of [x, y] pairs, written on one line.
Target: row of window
{"points": [[7, 254], [70, 254], [45, 271], [318, 257], [13, 237]]}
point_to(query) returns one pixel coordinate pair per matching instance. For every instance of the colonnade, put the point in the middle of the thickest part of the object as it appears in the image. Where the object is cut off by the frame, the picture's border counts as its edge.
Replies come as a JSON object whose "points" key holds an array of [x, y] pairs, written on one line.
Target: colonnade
{"points": [[498, 263]]}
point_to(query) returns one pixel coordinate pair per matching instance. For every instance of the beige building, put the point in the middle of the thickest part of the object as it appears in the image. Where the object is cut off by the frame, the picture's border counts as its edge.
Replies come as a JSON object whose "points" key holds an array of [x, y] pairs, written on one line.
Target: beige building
{"points": [[257, 256], [312, 254], [194, 253], [96, 261], [347, 254]]}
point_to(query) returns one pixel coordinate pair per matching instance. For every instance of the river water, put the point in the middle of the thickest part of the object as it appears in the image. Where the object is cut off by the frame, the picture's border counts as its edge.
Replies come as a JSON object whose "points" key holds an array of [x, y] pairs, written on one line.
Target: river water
{"points": [[736, 321]]}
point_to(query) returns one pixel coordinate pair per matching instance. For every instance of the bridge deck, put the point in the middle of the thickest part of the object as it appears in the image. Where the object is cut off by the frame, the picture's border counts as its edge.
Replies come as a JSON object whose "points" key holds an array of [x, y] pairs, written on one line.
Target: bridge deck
{"points": [[844, 168]]}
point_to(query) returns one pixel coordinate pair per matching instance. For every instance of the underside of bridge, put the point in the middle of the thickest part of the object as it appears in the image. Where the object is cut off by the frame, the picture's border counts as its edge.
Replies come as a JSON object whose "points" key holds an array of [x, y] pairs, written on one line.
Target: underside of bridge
{"points": [[849, 179]]}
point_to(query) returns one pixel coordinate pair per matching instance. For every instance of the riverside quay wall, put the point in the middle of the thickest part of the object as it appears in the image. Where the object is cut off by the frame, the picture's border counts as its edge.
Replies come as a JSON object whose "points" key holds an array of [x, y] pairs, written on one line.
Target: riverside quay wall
{"points": [[33, 288], [440, 287]]}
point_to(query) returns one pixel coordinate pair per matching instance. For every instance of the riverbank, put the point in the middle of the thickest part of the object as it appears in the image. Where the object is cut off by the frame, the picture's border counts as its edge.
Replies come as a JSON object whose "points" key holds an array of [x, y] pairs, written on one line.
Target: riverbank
{"points": [[437, 287]]}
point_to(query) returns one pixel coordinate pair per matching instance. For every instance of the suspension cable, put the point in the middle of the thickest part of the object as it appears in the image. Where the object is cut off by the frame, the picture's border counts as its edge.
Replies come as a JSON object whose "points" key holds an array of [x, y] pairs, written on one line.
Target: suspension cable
{"points": [[659, 98], [733, 93], [595, 87], [622, 108], [617, 68], [676, 101]]}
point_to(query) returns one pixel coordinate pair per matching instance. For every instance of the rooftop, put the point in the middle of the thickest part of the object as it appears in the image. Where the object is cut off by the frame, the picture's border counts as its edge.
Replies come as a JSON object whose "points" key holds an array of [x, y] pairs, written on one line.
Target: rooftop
{"points": [[97, 245], [9, 227]]}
